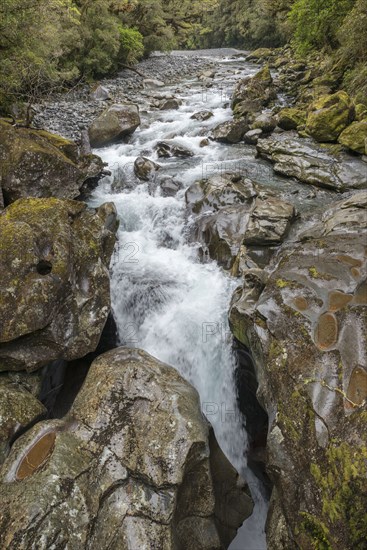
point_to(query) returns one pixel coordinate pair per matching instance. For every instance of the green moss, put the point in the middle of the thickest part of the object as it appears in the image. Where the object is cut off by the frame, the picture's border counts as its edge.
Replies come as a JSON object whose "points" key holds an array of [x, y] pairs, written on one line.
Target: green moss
{"points": [[313, 272], [281, 283], [317, 531]]}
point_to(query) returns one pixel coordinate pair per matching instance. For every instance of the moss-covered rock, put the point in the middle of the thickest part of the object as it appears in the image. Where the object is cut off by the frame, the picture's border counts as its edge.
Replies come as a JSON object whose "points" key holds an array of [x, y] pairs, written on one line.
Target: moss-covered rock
{"points": [[35, 163], [54, 296], [290, 118], [361, 111], [329, 116], [255, 92], [133, 462], [308, 333], [260, 53], [115, 123], [354, 137]]}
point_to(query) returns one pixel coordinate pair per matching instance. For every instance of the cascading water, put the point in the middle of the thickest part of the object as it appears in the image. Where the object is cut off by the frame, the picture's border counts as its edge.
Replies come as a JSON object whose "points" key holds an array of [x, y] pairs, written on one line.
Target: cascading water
{"points": [[164, 299]]}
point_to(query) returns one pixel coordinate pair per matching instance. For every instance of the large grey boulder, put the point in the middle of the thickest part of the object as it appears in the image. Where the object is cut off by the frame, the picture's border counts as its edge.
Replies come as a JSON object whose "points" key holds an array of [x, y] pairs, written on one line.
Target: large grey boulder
{"points": [[54, 296], [114, 124], [230, 132], [35, 163], [312, 163], [306, 329], [145, 169], [134, 464], [232, 211]]}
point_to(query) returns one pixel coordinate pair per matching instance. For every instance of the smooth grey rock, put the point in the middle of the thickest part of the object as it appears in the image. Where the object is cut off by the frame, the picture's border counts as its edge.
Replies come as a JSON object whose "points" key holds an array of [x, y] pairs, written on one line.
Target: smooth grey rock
{"points": [[145, 169], [117, 122], [230, 132]]}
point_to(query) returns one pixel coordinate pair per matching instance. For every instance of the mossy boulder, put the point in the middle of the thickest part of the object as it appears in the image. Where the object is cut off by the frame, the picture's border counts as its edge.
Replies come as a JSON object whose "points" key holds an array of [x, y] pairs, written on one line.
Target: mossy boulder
{"points": [[230, 132], [54, 296], [255, 92], [307, 331], [114, 124], [329, 116], [354, 137], [260, 53], [361, 111], [18, 409], [133, 462], [290, 118], [35, 163]]}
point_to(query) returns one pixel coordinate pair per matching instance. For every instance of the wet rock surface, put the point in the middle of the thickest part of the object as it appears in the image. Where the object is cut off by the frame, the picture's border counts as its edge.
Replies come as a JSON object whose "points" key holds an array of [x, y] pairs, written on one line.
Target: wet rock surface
{"points": [[55, 284], [114, 124], [313, 164], [134, 460], [306, 327]]}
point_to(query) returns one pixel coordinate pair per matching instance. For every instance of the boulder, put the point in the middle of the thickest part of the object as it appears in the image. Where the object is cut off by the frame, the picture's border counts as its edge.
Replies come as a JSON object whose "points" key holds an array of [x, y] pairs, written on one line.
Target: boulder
{"points": [[19, 408], [114, 124], [328, 116], [168, 104], [167, 149], [134, 464], [306, 331], [252, 136], [230, 132], [202, 115], [354, 137], [290, 118], [169, 186], [145, 169], [258, 89], [230, 213], [152, 83], [361, 111], [260, 53], [35, 163], [100, 93], [265, 122], [313, 164], [54, 296]]}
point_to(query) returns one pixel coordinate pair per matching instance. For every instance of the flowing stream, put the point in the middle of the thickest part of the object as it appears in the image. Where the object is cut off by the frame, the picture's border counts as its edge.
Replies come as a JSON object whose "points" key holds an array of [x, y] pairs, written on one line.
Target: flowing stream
{"points": [[165, 300]]}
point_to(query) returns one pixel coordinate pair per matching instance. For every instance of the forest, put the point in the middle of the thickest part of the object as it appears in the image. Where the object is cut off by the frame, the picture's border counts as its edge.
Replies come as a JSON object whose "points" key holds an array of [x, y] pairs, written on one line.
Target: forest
{"points": [[50, 44]]}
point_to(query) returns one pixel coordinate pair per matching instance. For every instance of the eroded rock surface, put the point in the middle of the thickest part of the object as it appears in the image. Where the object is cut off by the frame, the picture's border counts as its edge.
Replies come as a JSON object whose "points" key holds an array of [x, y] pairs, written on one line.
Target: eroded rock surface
{"points": [[54, 295], [312, 163], [133, 465], [306, 326], [232, 211]]}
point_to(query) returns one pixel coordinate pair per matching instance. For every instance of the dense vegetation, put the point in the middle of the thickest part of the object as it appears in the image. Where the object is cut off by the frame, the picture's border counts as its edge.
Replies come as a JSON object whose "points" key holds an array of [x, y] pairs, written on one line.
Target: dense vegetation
{"points": [[47, 44]]}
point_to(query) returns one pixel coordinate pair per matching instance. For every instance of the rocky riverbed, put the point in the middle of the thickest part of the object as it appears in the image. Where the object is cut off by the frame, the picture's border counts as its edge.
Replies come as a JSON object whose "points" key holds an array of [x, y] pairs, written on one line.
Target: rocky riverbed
{"points": [[223, 246]]}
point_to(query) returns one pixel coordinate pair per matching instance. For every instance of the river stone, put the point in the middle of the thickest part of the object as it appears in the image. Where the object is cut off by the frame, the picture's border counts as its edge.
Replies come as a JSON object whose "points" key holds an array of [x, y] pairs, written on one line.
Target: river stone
{"points": [[134, 464], [145, 168], [54, 297], [265, 122], [168, 104], [202, 115], [354, 137], [313, 164], [114, 124], [258, 89], [100, 93], [252, 136], [35, 163], [306, 360], [230, 132], [167, 149], [329, 115], [270, 222], [260, 53], [290, 118]]}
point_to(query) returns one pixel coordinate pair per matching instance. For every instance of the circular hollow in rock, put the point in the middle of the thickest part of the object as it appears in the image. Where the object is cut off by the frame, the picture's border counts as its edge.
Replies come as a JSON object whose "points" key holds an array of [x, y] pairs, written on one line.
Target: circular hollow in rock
{"points": [[36, 456], [44, 267], [338, 300], [326, 333], [357, 388], [300, 303]]}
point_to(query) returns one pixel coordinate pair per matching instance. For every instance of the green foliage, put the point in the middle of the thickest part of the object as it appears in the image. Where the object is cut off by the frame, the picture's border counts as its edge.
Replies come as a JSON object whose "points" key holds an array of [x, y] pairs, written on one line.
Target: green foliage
{"points": [[131, 46], [316, 22]]}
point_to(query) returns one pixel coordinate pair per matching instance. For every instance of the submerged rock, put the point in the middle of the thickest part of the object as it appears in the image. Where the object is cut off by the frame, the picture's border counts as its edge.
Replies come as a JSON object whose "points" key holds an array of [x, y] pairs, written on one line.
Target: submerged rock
{"points": [[167, 149], [307, 332], [133, 464], [35, 163], [54, 297], [311, 163], [202, 115], [114, 124], [145, 168]]}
